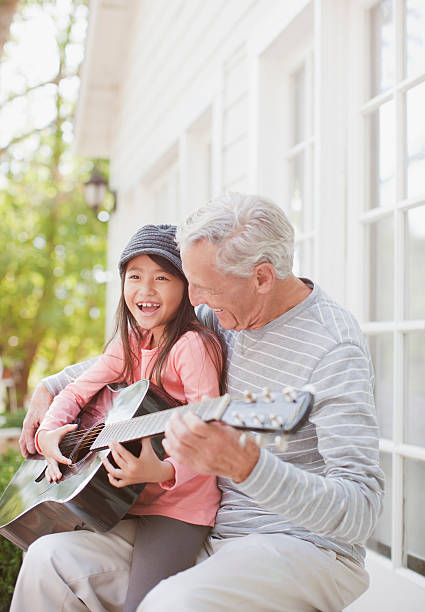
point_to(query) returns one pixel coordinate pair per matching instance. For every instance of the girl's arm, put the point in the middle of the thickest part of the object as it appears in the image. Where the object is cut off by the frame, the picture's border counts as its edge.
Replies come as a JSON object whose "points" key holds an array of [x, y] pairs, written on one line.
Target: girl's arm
{"points": [[67, 405]]}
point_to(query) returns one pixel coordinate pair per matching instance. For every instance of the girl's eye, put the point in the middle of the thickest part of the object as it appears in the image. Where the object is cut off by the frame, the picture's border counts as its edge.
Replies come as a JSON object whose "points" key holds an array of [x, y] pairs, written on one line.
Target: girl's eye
{"points": [[136, 276], [161, 278]]}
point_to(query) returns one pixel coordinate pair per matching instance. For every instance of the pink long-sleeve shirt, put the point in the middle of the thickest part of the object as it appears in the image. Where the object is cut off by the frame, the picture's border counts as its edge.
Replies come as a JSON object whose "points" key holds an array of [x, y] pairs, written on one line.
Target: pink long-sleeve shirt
{"points": [[188, 375]]}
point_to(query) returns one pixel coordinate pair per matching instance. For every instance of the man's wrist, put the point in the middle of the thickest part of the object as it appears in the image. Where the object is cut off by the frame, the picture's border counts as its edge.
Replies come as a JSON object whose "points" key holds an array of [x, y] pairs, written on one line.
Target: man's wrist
{"points": [[244, 469], [167, 472]]}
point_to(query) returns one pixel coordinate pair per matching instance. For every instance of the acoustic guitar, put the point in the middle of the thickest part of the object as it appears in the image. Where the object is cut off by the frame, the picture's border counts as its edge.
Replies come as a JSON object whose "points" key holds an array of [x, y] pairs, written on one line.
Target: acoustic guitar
{"points": [[84, 499]]}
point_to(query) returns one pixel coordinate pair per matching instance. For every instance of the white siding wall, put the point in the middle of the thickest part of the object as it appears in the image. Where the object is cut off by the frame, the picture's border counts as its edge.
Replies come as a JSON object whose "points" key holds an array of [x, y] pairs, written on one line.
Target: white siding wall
{"points": [[206, 105]]}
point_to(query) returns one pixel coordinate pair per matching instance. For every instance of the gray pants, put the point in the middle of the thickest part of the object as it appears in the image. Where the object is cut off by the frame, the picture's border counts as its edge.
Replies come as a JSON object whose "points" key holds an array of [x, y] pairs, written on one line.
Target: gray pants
{"points": [[163, 546]]}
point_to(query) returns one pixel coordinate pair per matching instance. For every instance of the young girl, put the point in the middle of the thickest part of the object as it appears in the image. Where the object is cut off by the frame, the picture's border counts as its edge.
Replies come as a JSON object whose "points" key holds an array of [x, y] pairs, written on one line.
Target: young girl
{"points": [[158, 337]]}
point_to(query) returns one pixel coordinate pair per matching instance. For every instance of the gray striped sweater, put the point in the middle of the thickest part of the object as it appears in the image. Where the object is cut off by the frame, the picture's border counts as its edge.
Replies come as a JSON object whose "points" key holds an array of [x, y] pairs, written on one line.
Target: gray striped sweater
{"points": [[327, 486]]}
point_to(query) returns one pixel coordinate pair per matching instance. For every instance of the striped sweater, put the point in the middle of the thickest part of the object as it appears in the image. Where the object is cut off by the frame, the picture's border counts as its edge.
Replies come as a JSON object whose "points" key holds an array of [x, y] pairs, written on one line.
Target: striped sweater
{"points": [[327, 486]]}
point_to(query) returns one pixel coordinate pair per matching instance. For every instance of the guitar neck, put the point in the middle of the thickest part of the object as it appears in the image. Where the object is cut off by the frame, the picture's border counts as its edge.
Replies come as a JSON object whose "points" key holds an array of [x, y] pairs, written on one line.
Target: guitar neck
{"points": [[155, 423]]}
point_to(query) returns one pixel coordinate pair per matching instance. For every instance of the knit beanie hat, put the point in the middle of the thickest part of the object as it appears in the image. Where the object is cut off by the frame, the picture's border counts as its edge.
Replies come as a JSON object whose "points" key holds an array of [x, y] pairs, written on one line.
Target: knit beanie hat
{"points": [[152, 240]]}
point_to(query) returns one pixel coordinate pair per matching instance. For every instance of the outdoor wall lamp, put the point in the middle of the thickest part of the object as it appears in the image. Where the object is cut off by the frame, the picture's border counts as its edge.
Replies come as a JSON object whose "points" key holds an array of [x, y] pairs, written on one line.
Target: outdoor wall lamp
{"points": [[95, 190]]}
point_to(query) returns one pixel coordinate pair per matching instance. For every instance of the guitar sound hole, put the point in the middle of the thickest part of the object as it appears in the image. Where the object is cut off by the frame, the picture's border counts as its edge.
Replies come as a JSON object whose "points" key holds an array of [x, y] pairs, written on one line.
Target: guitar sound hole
{"points": [[82, 448]]}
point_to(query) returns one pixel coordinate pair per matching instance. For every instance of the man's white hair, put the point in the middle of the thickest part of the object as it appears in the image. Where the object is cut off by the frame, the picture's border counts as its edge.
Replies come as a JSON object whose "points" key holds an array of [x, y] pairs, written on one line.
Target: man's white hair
{"points": [[247, 229]]}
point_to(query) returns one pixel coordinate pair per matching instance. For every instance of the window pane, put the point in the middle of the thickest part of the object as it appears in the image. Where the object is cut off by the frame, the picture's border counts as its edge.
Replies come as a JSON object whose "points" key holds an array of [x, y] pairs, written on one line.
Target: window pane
{"points": [[381, 350], [381, 284], [299, 106], [415, 141], [297, 192], [381, 537], [303, 258], [415, 37], [381, 47], [415, 271], [299, 258], [415, 415], [414, 500], [382, 156]]}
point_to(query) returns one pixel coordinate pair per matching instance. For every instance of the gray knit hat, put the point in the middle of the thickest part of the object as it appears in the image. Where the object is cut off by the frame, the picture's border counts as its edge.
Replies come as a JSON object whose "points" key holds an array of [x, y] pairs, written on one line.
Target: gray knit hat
{"points": [[152, 240]]}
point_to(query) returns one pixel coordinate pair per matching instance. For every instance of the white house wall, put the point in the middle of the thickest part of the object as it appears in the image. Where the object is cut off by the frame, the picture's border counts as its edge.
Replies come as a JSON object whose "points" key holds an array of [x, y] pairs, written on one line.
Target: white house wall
{"points": [[202, 101], [185, 59]]}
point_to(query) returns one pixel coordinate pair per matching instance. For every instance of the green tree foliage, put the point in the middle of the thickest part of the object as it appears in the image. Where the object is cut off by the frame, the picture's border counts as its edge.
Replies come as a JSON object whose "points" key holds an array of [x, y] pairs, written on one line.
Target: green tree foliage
{"points": [[10, 555], [53, 248]]}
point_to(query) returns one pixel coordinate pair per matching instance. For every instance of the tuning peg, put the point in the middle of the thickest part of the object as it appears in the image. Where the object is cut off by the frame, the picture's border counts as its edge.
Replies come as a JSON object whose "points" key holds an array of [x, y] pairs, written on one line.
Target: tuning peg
{"points": [[276, 421], [281, 443], [290, 393], [237, 418], [243, 438], [258, 418], [309, 389], [267, 395], [261, 440], [249, 397]]}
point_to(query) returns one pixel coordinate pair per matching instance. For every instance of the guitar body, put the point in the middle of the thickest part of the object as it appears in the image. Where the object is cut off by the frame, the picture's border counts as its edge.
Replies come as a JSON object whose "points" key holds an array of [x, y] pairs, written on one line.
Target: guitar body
{"points": [[83, 498]]}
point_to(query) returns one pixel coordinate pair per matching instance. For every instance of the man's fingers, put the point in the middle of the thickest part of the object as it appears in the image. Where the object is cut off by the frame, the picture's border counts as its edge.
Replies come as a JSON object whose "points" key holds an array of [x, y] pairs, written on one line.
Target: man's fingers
{"points": [[26, 440]]}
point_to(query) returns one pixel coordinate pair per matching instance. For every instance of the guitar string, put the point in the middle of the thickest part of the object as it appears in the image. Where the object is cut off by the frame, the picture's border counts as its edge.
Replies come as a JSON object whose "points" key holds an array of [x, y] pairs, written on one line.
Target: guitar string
{"points": [[71, 439]]}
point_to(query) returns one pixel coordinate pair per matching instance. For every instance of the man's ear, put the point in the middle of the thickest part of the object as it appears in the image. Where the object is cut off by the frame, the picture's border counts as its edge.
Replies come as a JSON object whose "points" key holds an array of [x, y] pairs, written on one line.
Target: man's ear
{"points": [[265, 277]]}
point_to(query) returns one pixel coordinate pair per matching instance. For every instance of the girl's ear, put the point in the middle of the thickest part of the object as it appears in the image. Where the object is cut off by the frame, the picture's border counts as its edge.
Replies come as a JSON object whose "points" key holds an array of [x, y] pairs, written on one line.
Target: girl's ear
{"points": [[265, 277]]}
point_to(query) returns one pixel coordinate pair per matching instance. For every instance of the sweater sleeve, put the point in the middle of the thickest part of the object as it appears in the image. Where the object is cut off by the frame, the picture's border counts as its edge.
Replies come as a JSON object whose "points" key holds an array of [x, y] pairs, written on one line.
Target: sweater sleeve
{"points": [[56, 382], [345, 500], [199, 377], [69, 402]]}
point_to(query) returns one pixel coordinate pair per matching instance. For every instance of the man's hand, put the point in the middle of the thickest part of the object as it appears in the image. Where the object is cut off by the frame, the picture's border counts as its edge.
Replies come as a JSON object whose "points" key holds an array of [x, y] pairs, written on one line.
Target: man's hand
{"points": [[209, 448], [133, 470], [39, 405]]}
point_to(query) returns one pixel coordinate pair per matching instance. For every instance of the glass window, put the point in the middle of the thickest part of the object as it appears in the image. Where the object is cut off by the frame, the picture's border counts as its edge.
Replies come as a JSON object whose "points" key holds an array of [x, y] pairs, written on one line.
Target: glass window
{"points": [[415, 397], [416, 141], [414, 532], [299, 127], [381, 270], [415, 268], [297, 195], [381, 350], [381, 47], [381, 147], [415, 37]]}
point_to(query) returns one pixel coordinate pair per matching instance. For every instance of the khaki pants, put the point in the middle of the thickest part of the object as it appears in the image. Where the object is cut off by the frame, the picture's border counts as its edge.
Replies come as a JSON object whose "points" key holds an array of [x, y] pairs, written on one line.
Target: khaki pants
{"points": [[77, 571], [260, 573]]}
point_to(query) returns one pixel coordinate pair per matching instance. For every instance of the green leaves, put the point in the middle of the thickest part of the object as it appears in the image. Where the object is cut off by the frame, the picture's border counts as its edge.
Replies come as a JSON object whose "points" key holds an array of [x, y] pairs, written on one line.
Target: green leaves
{"points": [[53, 248]]}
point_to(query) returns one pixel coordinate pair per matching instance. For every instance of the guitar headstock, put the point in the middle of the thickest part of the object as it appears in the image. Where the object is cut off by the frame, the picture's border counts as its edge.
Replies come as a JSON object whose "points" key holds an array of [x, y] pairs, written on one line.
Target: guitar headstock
{"points": [[280, 412]]}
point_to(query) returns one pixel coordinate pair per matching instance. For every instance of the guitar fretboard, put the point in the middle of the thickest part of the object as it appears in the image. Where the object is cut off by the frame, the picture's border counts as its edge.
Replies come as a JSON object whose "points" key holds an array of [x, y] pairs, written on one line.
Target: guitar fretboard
{"points": [[155, 423]]}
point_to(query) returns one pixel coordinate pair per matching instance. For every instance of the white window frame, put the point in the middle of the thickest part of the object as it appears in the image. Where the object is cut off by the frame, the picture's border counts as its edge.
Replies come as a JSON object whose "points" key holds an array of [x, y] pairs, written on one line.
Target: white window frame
{"points": [[359, 218]]}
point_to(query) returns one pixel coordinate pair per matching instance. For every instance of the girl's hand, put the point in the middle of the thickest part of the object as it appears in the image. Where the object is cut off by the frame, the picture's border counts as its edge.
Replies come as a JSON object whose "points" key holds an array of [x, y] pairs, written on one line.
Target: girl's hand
{"points": [[48, 442], [133, 470]]}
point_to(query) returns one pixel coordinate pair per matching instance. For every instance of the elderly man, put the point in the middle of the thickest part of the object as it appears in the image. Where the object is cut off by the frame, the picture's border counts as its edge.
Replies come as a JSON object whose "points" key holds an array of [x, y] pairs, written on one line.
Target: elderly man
{"points": [[291, 526]]}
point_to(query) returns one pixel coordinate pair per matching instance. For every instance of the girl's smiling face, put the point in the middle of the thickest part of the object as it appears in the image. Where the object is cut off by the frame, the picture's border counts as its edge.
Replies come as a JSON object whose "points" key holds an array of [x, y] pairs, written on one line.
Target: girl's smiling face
{"points": [[152, 295]]}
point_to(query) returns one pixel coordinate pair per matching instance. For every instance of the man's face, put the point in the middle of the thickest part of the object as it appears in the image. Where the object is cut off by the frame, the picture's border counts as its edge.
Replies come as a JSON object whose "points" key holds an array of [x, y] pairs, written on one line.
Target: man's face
{"points": [[233, 299]]}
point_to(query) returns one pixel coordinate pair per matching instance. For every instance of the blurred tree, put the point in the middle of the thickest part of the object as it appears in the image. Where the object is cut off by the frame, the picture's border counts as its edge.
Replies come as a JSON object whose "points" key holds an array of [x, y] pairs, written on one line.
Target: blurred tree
{"points": [[53, 248]]}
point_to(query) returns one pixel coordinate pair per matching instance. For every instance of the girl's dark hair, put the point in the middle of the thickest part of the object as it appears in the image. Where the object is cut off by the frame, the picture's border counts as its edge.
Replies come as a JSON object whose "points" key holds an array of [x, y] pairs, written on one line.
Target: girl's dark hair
{"points": [[184, 321]]}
